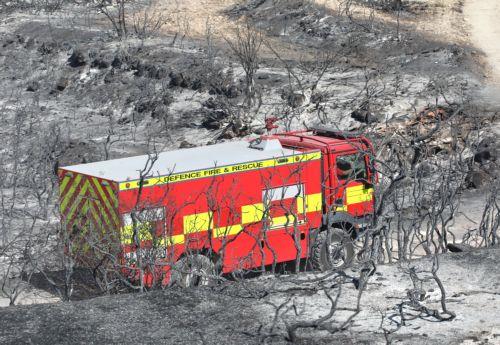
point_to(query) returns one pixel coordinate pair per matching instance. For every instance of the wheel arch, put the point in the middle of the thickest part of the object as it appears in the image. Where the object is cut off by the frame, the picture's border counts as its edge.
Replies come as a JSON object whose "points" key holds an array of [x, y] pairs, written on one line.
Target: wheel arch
{"points": [[340, 220]]}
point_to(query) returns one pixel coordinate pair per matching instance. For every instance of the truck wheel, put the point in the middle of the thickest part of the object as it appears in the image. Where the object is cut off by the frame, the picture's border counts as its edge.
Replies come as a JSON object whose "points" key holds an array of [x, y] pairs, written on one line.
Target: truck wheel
{"points": [[193, 270], [333, 249]]}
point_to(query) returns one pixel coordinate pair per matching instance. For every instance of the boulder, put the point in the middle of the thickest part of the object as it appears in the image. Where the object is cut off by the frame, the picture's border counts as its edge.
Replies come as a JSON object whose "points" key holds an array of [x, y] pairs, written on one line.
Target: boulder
{"points": [[423, 169], [179, 79], [458, 247], [211, 124], [117, 61], [477, 178], [7, 42], [62, 84], [364, 116], [486, 151], [214, 119], [160, 73], [149, 70], [144, 106], [214, 103], [32, 86], [186, 144], [77, 59], [295, 99], [197, 84], [100, 63], [167, 99], [109, 77], [228, 134], [30, 43]]}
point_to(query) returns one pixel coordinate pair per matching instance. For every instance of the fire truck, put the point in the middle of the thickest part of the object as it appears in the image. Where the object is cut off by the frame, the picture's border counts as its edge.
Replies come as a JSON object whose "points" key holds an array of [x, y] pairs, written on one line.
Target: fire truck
{"points": [[180, 216]]}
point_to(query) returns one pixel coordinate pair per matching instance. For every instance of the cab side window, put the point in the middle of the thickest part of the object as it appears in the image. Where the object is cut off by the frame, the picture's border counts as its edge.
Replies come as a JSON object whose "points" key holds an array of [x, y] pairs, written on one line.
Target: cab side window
{"points": [[351, 167]]}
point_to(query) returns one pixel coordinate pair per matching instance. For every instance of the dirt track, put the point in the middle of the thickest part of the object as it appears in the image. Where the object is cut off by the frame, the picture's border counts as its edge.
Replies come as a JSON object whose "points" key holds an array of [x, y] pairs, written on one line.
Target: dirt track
{"points": [[485, 31], [482, 16]]}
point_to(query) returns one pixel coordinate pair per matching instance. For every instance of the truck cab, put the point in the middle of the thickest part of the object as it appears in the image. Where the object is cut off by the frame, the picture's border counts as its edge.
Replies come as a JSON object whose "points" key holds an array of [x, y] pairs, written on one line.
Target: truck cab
{"points": [[348, 174]]}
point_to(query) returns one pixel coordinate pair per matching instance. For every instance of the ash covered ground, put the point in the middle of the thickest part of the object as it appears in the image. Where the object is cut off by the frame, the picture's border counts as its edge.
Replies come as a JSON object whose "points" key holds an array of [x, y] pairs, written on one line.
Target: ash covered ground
{"points": [[244, 313]]}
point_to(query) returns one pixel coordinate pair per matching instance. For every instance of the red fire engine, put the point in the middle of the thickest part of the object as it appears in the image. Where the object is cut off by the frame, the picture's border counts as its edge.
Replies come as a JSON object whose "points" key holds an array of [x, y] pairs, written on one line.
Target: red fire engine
{"points": [[230, 206]]}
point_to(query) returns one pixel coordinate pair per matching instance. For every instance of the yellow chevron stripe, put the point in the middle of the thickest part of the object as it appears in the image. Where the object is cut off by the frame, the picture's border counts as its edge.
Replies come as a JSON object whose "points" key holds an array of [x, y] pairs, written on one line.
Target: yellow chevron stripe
{"points": [[111, 209], [70, 193], [114, 197], [90, 208], [96, 212], [63, 184], [82, 193], [98, 203]]}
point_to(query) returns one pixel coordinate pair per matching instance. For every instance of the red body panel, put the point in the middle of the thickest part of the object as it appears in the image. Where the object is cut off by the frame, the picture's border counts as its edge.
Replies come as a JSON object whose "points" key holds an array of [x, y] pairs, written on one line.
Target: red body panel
{"points": [[224, 196]]}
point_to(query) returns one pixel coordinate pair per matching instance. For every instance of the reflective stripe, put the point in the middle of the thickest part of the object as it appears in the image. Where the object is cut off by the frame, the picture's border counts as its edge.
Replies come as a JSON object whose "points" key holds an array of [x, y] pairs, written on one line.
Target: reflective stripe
{"points": [[278, 222], [198, 222], [357, 194], [314, 202], [172, 240], [81, 195], [103, 197], [300, 205], [71, 191], [76, 202], [252, 213], [219, 171], [64, 183], [228, 230]]}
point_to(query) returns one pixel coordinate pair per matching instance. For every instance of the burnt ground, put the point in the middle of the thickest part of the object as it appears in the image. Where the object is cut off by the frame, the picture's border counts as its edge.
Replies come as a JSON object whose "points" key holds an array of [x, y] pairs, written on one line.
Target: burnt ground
{"points": [[67, 68], [229, 314]]}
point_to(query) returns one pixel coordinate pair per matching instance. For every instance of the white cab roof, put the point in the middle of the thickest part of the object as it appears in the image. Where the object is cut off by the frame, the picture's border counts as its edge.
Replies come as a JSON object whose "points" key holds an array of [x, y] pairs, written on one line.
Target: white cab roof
{"points": [[182, 160]]}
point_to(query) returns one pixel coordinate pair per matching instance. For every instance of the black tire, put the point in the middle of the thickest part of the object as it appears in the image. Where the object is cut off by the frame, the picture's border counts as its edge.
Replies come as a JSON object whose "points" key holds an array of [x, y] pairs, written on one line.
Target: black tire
{"points": [[333, 249], [193, 270]]}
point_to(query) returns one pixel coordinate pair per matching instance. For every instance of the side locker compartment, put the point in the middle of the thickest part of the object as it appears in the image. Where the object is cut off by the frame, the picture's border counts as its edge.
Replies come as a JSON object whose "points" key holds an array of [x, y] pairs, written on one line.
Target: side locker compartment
{"points": [[293, 207], [285, 221], [237, 229]]}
